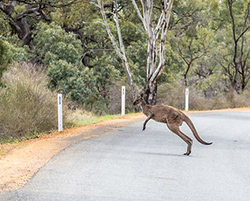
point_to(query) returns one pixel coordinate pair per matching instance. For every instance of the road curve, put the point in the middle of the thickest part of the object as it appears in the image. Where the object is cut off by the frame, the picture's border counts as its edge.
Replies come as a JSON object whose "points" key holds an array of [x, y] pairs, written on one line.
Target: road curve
{"points": [[129, 164]]}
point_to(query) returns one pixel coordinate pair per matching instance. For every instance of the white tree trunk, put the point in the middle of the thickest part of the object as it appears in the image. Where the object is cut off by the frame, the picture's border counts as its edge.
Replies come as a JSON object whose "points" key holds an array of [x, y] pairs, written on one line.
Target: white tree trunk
{"points": [[119, 49], [155, 54], [156, 37]]}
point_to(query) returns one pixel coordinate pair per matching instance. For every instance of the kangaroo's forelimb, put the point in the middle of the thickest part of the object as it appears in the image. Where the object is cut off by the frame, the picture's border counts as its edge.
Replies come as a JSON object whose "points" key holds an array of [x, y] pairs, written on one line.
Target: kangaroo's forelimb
{"points": [[146, 121]]}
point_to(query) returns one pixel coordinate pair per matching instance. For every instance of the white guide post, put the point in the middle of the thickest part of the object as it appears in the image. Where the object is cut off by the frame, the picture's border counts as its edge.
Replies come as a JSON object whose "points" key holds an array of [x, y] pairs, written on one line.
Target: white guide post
{"points": [[123, 101], [186, 99], [60, 114]]}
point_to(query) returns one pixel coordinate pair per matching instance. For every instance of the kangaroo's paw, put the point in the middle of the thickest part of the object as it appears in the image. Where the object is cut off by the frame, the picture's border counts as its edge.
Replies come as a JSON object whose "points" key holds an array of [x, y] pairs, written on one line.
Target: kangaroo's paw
{"points": [[143, 128]]}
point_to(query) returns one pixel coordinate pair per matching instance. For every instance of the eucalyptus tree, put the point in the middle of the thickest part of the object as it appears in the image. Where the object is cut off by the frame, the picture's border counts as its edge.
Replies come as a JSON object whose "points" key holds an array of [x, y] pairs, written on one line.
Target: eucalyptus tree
{"points": [[156, 27], [235, 32], [155, 19], [117, 44], [191, 33]]}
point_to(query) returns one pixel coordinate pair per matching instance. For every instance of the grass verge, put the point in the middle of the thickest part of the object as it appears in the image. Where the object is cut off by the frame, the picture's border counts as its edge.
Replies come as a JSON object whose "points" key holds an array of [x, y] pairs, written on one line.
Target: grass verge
{"points": [[86, 120]]}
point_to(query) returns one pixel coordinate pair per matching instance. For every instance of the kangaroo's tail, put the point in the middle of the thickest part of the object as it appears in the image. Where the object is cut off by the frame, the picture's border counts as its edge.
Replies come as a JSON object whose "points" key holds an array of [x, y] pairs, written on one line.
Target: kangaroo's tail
{"points": [[191, 126]]}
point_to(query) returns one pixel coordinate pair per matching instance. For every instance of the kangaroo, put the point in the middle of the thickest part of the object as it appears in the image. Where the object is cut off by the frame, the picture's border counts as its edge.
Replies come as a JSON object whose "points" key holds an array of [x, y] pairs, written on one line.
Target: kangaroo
{"points": [[173, 118]]}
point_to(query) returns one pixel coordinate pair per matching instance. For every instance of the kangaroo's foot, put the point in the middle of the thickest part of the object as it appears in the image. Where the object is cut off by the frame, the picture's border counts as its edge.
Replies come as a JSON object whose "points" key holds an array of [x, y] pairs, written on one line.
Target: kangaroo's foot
{"points": [[187, 153]]}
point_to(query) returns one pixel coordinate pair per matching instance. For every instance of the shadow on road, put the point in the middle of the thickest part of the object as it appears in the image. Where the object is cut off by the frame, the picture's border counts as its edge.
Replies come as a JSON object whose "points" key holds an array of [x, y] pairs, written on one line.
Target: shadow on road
{"points": [[162, 154]]}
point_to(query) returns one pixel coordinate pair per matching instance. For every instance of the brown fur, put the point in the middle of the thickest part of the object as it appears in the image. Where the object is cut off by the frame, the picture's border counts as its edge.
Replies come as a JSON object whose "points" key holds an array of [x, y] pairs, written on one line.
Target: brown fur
{"points": [[173, 118]]}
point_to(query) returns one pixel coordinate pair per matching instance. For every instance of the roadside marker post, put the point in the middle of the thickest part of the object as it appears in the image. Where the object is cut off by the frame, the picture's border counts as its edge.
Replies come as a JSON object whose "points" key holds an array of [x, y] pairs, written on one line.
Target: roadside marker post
{"points": [[60, 114], [123, 100], [186, 99]]}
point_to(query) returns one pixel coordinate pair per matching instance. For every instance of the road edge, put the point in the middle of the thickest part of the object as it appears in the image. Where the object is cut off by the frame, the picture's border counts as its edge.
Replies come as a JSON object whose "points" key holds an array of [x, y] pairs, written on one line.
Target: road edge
{"points": [[20, 164]]}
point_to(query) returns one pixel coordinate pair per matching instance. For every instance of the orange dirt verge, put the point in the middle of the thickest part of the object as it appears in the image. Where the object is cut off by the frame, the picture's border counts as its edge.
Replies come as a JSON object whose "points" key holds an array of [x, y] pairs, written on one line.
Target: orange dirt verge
{"points": [[20, 162]]}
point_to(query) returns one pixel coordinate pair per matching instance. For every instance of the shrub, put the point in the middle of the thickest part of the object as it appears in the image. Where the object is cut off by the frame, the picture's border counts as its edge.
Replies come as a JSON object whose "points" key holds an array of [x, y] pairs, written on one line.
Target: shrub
{"points": [[52, 43], [9, 54], [27, 106]]}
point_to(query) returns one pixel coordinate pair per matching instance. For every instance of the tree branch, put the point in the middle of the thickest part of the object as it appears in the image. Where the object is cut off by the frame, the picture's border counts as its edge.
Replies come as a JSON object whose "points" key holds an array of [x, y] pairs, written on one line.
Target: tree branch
{"points": [[48, 3], [119, 49], [166, 15], [138, 12]]}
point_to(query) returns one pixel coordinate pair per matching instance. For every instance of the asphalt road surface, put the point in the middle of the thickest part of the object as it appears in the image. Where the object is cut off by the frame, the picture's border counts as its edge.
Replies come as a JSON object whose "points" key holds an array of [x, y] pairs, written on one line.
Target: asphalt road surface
{"points": [[129, 164]]}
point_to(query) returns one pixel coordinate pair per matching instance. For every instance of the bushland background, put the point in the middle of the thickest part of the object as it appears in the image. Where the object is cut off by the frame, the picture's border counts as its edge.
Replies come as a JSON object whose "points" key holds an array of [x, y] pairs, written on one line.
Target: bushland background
{"points": [[50, 47]]}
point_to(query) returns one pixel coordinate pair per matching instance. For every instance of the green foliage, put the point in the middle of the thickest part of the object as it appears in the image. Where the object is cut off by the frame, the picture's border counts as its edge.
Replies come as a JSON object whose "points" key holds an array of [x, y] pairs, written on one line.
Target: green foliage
{"points": [[104, 74], [4, 58], [73, 15], [69, 80], [132, 32], [10, 54], [53, 43], [61, 53], [83, 86], [4, 26]]}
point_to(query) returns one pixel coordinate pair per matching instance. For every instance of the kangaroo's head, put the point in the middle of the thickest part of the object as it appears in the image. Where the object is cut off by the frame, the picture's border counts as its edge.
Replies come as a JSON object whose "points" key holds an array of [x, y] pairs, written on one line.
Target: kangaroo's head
{"points": [[139, 101]]}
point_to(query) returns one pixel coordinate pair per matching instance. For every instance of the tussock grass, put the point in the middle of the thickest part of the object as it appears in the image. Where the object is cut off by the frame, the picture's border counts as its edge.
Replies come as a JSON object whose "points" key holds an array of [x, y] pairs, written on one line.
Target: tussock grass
{"points": [[27, 106]]}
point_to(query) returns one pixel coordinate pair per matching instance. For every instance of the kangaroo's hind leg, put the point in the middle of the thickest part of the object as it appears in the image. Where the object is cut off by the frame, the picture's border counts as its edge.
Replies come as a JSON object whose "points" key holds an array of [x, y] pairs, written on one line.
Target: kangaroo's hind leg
{"points": [[176, 129]]}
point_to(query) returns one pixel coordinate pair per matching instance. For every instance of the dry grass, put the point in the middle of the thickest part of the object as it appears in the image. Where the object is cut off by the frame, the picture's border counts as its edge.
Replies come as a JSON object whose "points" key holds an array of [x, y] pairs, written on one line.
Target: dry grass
{"points": [[114, 100], [27, 106], [174, 95], [80, 117]]}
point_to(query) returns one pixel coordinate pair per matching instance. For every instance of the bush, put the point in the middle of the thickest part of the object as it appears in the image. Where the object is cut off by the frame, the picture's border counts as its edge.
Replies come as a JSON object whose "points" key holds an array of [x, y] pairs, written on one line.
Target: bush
{"points": [[27, 106], [9, 54], [52, 43]]}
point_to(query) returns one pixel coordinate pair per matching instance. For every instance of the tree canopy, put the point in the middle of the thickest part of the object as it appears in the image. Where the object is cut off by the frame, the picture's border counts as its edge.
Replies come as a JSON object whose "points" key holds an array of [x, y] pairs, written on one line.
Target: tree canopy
{"points": [[205, 45]]}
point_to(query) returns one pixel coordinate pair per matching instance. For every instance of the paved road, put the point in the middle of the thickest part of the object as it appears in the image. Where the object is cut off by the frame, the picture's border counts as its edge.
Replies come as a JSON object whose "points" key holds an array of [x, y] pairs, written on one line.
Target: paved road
{"points": [[129, 165]]}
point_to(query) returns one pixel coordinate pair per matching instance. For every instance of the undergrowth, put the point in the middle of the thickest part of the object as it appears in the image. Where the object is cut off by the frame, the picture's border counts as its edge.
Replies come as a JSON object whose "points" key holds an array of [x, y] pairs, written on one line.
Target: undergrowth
{"points": [[27, 106]]}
